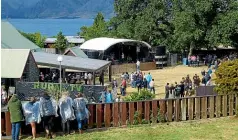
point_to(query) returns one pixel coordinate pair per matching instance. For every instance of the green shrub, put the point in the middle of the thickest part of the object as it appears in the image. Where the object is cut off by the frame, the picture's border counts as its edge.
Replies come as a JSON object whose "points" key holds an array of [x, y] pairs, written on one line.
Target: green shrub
{"points": [[143, 95], [227, 78]]}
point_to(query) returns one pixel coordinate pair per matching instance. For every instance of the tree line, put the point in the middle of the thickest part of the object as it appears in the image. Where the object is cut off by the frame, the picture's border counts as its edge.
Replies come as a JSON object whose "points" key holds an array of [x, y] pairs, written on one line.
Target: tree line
{"points": [[39, 40], [178, 24]]}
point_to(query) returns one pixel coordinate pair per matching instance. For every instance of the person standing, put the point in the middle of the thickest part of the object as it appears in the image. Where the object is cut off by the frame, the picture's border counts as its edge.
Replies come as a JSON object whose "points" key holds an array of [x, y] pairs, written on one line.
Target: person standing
{"points": [[123, 87], [138, 65], [48, 110], [152, 86], [109, 98], [139, 84], [3, 96], [114, 88], [90, 77], [148, 79], [145, 84], [85, 78], [103, 95], [16, 116], [80, 112], [167, 91], [31, 112], [66, 111]]}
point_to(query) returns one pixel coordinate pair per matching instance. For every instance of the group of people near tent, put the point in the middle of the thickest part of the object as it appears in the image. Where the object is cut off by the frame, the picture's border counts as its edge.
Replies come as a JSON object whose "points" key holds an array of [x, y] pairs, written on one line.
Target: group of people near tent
{"points": [[46, 110]]}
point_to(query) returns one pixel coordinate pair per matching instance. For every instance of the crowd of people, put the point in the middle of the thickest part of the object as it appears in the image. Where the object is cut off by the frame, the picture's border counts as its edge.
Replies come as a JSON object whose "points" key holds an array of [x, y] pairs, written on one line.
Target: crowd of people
{"points": [[71, 78], [186, 85], [46, 110]]}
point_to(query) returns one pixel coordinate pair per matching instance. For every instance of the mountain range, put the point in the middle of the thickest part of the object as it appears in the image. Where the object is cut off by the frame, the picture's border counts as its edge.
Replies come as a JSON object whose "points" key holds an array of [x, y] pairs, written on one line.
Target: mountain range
{"points": [[56, 8]]}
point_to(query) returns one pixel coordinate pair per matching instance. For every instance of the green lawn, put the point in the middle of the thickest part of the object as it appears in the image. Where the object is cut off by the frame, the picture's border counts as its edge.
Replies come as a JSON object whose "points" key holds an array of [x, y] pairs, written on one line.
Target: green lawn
{"points": [[210, 129]]}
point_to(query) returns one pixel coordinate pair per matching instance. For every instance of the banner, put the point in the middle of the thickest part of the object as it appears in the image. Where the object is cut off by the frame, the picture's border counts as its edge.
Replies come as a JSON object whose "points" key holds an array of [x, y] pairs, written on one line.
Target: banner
{"points": [[25, 90]]}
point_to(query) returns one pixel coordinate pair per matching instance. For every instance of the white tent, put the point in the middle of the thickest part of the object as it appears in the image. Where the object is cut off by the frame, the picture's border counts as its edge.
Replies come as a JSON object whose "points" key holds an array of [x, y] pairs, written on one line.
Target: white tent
{"points": [[103, 43]]}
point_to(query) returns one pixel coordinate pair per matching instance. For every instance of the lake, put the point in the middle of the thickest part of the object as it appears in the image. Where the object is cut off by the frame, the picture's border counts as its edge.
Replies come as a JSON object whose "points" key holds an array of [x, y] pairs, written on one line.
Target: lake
{"points": [[50, 27]]}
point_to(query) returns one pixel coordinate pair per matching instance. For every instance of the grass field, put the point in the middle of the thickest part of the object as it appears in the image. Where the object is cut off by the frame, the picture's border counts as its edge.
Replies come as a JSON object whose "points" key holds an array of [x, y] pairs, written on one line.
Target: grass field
{"points": [[170, 75], [209, 129]]}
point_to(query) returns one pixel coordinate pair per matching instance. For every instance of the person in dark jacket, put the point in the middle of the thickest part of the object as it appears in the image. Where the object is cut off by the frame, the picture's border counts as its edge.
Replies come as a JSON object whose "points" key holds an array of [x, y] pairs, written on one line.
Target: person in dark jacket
{"points": [[16, 113], [48, 110]]}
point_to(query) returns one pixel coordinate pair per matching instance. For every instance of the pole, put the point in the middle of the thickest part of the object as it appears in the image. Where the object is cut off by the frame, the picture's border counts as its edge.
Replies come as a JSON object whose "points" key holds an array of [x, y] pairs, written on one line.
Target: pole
{"points": [[60, 78]]}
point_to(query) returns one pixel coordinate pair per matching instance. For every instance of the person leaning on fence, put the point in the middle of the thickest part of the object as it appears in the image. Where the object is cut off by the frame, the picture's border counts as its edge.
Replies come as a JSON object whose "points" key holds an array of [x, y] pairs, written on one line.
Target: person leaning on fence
{"points": [[103, 95], [16, 115], [66, 111], [48, 110], [81, 112], [32, 114]]}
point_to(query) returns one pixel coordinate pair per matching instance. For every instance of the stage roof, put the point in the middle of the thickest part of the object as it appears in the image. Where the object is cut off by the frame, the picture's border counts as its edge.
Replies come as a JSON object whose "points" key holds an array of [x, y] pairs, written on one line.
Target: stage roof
{"points": [[103, 43], [70, 62]]}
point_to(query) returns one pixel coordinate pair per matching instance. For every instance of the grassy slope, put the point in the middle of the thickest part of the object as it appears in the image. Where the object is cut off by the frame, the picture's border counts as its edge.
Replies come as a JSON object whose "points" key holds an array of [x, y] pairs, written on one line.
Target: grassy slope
{"points": [[211, 129]]}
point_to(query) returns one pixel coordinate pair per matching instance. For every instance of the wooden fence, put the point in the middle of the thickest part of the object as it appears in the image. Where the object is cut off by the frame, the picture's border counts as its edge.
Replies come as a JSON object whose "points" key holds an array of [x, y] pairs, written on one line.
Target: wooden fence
{"points": [[182, 109], [131, 67]]}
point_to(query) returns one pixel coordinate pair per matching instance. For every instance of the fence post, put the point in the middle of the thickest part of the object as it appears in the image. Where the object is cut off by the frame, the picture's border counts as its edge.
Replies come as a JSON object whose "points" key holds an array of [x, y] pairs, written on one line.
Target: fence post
{"points": [[162, 106], [184, 111], [90, 121], [170, 110], [8, 123], [211, 107], [224, 106], [123, 113], [204, 107], [115, 114], [177, 110], [147, 110], [190, 108], [139, 110], [231, 105], [131, 112], [99, 115], [218, 106], [154, 110], [197, 108]]}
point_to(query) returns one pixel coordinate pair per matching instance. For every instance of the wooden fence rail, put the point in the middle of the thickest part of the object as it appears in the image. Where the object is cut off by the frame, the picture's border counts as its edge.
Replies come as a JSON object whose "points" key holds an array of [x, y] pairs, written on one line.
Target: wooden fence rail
{"points": [[155, 111]]}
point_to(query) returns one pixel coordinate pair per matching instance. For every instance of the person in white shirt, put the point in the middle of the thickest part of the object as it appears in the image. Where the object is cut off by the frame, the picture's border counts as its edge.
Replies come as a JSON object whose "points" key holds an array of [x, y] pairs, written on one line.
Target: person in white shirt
{"points": [[138, 65], [90, 78], [152, 86], [85, 78]]}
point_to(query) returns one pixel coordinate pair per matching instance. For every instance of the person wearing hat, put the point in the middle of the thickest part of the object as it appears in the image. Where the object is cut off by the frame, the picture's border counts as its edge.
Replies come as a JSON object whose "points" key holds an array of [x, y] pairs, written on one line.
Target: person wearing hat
{"points": [[16, 115]]}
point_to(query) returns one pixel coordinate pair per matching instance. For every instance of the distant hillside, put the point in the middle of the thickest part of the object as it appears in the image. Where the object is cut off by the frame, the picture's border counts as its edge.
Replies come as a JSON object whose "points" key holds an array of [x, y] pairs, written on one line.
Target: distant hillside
{"points": [[56, 8]]}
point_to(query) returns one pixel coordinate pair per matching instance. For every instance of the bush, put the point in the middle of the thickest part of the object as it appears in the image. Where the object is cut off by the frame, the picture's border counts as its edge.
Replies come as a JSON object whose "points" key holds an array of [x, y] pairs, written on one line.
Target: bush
{"points": [[143, 95], [227, 78]]}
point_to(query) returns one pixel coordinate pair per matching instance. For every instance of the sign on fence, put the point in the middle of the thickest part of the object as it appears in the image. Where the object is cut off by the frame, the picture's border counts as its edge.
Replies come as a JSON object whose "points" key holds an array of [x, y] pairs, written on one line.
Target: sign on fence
{"points": [[25, 90]]}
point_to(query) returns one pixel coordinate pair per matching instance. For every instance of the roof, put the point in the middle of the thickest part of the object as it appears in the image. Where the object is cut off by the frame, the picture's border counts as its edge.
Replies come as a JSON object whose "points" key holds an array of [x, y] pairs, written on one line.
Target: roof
{"points": [[70, 39], [77, 52], [13, 62], [103, 43], [70, 62], [12, 39]]}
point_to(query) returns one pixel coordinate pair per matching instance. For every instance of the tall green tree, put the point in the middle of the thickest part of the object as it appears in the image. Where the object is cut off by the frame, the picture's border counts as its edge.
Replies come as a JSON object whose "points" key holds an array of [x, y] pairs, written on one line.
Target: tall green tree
{"points": [[36, 38], [98, 29], [225, 30], [61, 42]]}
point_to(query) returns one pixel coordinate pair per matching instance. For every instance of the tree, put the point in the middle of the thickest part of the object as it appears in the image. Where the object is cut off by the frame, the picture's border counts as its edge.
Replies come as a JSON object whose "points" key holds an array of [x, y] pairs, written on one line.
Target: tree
{"points": [[61, 42], [225, 30], [36, 38], [98, 29], [227, 77]]}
